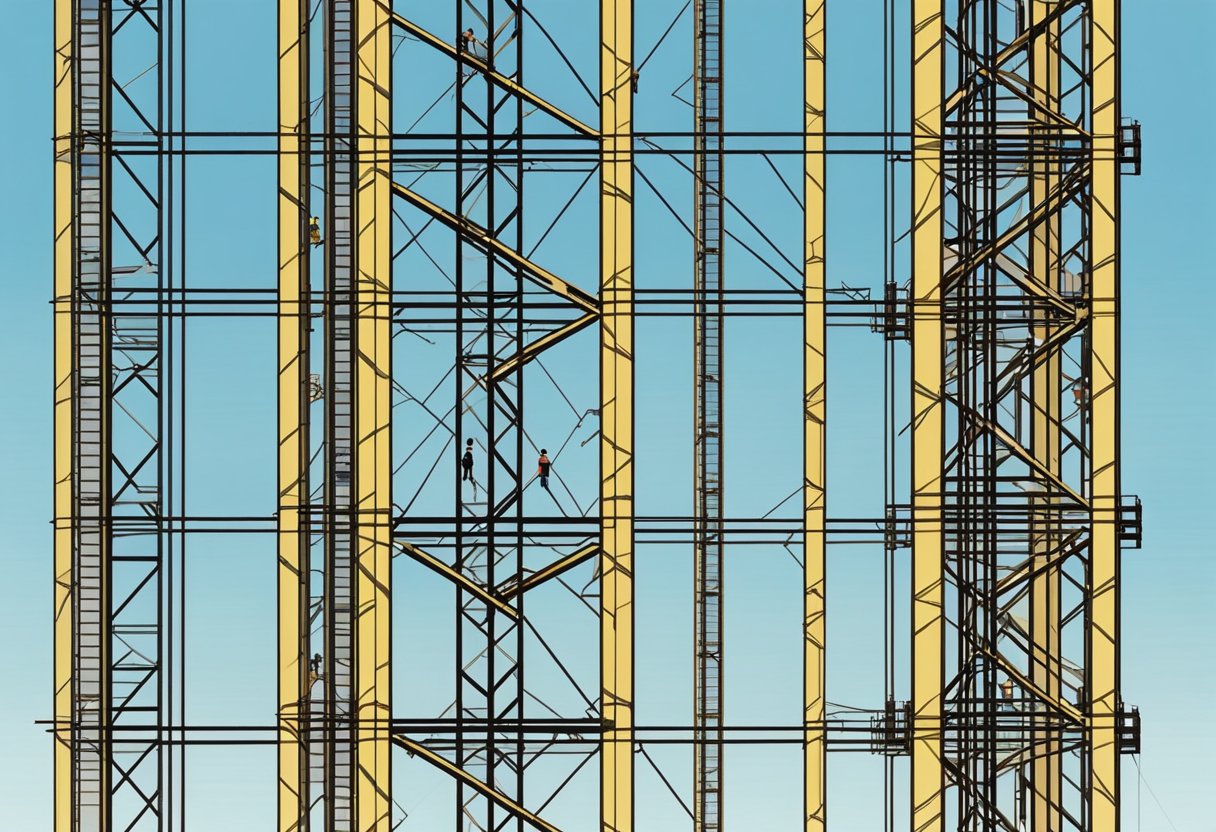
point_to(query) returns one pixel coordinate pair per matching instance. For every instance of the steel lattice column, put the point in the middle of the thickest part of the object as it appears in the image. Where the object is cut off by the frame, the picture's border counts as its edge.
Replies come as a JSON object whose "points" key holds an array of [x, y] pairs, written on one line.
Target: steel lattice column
{"points": [[814, 371], [928, 782], [1047, 537], [294, 675], [334, 760], [616, 414], [108, 420], [490, 327], [1102, 683]]}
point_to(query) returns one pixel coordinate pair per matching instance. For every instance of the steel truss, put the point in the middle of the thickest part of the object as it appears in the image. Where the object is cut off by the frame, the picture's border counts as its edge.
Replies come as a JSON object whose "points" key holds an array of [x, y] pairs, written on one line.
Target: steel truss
{"points": [[1017, 512], [110, 417], [1014, 518]]}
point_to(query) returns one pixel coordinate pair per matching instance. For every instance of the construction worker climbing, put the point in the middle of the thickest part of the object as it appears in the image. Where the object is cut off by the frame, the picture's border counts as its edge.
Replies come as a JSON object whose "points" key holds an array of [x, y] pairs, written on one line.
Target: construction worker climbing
{"points": [[634, 77], [542, 469], [466, 41], [314, 666], [466, 462], [314, 231]]}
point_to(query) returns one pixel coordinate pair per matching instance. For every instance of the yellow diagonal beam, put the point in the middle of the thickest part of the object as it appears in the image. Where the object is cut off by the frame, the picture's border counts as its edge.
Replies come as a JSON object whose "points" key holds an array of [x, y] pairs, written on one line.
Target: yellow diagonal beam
{"points": [[1032, 33], [1071, 185], [420, 750], [1035, 465], [1026, 683], [491, 244], [1041, 562], [541, 344], [457, 577], [1050, 347], [498, 78], [550, 572]]}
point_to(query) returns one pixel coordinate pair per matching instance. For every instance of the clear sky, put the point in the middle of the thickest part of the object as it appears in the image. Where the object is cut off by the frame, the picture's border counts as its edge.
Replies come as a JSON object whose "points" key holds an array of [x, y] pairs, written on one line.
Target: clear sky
{"points": [[1168, 398]]}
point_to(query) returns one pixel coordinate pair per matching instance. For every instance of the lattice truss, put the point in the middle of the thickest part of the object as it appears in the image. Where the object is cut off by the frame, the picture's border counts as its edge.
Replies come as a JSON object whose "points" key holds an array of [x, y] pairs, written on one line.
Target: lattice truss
{"points": [[111, 691], [1031, 520]]}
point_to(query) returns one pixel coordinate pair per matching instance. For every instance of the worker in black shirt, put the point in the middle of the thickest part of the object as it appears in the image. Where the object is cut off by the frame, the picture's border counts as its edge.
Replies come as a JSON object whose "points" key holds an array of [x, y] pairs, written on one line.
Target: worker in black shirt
{"points": [[466, 462], [542, 469]]}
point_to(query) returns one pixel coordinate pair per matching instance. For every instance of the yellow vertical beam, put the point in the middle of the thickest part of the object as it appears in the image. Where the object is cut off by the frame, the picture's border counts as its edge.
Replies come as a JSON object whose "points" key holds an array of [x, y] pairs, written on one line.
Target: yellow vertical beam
{"points": [[1045, 386], [292, 575], [928, 784], [372, 428], [814, 368], [1103, 668], [64, 373], [616, 414]]}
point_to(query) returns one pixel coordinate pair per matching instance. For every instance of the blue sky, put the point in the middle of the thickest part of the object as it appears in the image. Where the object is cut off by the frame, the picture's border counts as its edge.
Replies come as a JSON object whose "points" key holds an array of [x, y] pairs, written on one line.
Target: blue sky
{"points": [[1169, 394]]}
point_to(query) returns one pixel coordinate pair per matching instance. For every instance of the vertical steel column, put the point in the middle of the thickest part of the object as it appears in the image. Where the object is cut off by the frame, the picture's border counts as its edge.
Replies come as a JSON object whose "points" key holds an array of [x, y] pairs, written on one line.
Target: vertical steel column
{"points": [[1102, 684], [1047, 538], [928, 781], [708, 325], [293, 325], [372, 427], [814, 374], [64, 413], [491, 317], [616, 414]]}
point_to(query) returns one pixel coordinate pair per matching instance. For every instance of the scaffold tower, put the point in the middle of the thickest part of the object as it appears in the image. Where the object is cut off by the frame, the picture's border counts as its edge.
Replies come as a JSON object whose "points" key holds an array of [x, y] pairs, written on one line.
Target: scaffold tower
{"points": [[480, 220]]}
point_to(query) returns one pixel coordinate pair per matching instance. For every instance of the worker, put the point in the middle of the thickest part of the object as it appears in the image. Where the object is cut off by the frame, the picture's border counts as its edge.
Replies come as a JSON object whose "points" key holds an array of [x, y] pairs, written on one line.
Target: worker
{"points": [[634, 77], [1006, 703], [314, 666], [1080, 393], [542, 469], [466, 41], [314, 231], [466, 462]]}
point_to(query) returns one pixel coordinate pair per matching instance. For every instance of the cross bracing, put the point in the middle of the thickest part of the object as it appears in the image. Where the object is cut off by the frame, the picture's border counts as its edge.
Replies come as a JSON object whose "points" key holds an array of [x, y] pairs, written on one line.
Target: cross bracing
{"points": [[483, 220]]}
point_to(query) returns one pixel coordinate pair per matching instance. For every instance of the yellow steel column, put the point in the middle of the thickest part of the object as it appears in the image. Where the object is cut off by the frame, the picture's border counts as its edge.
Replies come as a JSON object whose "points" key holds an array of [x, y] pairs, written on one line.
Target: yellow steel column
{"points": [[292, 546], [372, 429], [814, 369], [64, 373], [928, 803], [616, 414], [1102, 684], [1045, 388]]}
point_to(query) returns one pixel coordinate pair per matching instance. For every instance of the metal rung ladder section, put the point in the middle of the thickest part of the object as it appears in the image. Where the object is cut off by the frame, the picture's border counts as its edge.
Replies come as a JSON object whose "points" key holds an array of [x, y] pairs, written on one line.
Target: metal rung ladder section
{"points": [[340, 395], [708, 431], [92, 389]]}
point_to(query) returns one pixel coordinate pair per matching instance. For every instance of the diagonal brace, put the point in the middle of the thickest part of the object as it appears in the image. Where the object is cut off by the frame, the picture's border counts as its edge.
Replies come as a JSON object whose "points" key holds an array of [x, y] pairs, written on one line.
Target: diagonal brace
{"points": [[420, 750], [498, 78], [457, 577], [511, 589], [541, 344], [1068, 188], [490, 244]]}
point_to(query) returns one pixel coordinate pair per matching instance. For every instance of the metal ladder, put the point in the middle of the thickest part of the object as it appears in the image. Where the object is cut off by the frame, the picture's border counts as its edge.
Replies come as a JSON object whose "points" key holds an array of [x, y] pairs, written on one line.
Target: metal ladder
{"points": [[92, 386], [340, 396], [708, 429]]}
